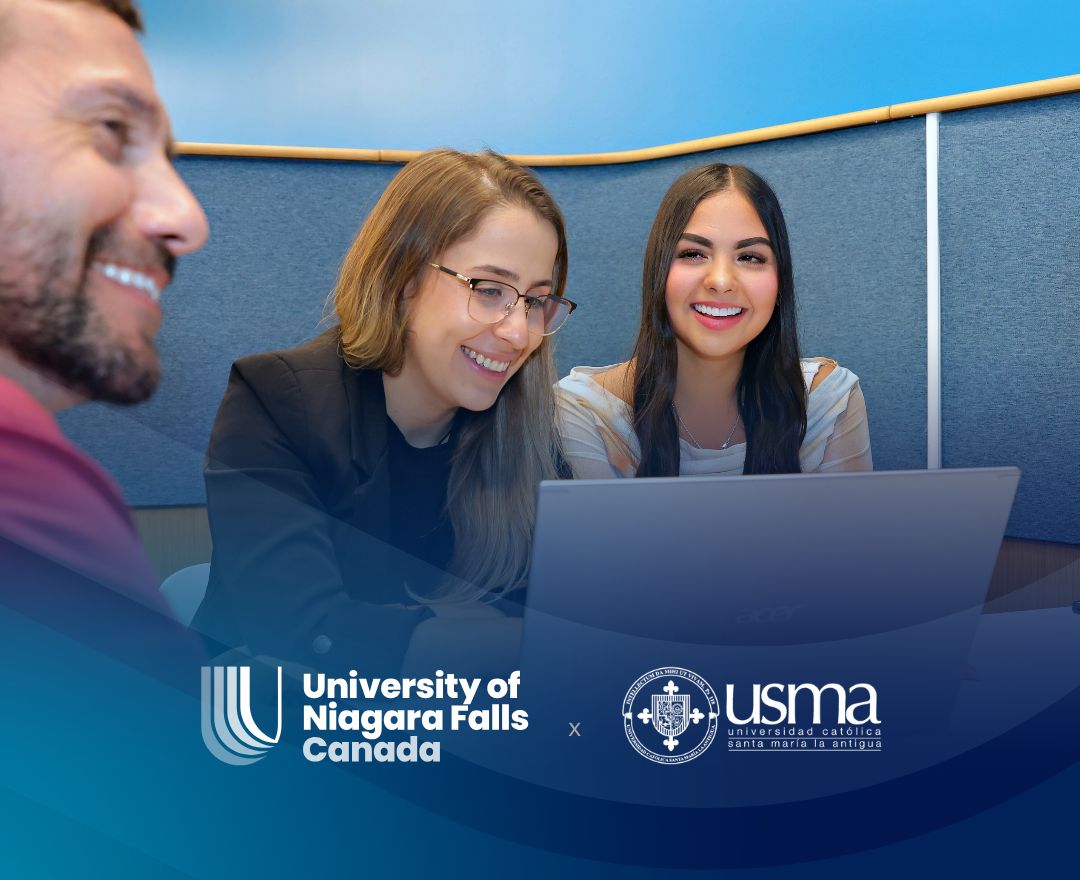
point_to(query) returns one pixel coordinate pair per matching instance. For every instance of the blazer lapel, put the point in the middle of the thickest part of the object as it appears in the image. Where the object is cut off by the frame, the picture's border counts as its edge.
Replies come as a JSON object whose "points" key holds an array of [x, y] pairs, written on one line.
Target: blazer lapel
{"points": [[369, 450]]}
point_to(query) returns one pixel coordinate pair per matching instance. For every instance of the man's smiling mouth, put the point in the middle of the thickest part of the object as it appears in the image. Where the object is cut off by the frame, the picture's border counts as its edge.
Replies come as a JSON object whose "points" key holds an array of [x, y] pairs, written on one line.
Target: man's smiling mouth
{"points": [[128, 277]]}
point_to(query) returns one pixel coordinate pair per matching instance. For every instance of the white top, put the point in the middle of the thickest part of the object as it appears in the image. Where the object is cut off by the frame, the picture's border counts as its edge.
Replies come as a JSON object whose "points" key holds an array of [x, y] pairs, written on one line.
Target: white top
{"points": [[600, 443]]}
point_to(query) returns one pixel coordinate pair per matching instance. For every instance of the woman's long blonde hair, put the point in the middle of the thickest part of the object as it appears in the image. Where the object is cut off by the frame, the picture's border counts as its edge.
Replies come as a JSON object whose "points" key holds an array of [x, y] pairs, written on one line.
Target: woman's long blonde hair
{"points": [[503, 452]]}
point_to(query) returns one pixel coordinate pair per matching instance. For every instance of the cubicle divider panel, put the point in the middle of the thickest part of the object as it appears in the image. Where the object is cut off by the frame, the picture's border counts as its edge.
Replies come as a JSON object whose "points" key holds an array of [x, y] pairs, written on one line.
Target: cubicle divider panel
{"points": [[855, 205], [1010, 278]]}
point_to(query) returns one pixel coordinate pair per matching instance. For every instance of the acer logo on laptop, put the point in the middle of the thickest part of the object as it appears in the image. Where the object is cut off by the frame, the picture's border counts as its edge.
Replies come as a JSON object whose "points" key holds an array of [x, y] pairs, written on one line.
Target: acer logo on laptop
{"points": [[779, 614]]}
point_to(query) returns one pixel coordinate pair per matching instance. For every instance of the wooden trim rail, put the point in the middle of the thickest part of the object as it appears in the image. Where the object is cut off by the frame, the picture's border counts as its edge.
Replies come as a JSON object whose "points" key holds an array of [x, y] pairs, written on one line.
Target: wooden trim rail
{"points": [[1024, 91]]}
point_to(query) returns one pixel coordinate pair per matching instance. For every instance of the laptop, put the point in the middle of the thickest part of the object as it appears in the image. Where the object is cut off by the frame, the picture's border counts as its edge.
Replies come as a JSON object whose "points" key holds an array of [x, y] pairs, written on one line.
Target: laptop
{"points": [[786, 595]]}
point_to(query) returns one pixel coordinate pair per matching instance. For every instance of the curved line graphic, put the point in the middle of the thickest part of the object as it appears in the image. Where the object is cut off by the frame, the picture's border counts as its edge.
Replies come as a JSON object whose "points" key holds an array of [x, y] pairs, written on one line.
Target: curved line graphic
{"points": [[209, 736], [238, 689], [222, 728], [928, 800], [245, 708]]}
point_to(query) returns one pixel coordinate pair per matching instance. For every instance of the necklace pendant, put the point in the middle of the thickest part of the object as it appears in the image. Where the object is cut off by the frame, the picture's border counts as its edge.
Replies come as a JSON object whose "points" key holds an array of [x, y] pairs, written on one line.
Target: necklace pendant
{"points": [[681, 424]]}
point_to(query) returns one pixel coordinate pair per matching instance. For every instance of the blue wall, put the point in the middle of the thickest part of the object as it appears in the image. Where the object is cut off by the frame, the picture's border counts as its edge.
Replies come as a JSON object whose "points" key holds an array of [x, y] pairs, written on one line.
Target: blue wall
{"points": [[568, 76], [1010, 294], [281, 227]]}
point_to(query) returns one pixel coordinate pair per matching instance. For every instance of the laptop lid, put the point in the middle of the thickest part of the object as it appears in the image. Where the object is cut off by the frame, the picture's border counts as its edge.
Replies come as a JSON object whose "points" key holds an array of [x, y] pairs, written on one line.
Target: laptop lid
{"points": [[776, 559], [779, 596]]}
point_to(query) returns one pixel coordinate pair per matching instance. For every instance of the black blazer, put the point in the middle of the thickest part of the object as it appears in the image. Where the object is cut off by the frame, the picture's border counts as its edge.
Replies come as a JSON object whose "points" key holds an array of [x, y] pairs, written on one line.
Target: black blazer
{"points": [[298, 491]]}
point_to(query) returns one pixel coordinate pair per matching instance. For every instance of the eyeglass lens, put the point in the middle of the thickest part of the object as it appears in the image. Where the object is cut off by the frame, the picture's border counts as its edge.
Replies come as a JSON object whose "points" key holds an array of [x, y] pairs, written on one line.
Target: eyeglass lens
{"points": [[492, 301]]}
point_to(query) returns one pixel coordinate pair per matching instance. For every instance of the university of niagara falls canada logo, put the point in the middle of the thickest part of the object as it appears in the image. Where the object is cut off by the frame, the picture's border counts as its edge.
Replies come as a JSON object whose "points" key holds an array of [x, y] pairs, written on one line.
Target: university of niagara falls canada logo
{"points": [[228, 727], [670, 715]]}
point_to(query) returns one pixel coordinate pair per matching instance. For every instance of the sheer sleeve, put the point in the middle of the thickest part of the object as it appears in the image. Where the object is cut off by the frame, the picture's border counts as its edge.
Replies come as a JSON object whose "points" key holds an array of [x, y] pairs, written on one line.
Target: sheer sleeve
{"points": [[583, 438], [594, 446], [848, 447]]}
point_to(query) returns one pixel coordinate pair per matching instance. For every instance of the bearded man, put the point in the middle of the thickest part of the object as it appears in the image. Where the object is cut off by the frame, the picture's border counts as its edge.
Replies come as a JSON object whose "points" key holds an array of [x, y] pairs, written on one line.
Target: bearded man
{"points": [[92, 220]]}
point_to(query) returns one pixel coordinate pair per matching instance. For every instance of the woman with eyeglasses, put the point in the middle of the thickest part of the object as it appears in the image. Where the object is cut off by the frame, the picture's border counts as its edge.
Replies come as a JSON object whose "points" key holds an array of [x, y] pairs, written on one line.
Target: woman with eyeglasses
{"points": [[395, 458], [715, 384]]}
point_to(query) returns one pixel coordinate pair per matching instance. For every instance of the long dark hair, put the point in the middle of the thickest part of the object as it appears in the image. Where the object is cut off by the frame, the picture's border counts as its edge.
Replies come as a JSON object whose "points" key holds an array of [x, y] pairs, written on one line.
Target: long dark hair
{"points": [[771, 394]]}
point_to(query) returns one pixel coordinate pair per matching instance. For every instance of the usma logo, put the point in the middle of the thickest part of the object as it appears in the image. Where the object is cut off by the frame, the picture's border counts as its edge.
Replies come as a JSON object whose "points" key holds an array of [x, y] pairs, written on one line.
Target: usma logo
{"points": [[228, 728]]}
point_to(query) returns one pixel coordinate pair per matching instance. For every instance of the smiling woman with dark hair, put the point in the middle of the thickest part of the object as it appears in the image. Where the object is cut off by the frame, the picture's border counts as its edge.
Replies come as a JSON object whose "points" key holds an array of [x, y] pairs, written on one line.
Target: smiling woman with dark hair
{"points": [[715, 384]]}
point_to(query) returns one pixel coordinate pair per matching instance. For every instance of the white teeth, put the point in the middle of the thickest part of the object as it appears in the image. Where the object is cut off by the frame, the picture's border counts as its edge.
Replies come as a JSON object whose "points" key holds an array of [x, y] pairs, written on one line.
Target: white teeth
{"points": [[486, 362], [714, 312], [130, 278]]}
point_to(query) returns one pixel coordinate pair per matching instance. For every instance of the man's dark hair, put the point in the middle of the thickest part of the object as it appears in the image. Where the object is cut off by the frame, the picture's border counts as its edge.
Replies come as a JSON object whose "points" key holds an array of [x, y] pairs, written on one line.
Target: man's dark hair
{"points": [[127, 10]]}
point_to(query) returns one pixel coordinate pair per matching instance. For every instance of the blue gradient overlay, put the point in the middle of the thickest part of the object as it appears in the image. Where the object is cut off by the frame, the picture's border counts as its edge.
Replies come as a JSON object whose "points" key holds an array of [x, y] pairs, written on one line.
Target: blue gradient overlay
{"points": [[107, 774]]}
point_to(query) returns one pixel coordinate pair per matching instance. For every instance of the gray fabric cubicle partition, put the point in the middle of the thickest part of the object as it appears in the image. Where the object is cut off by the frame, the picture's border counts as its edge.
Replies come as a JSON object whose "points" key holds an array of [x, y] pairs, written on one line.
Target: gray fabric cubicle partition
{"points": [[1010, 283], [856, 211]]}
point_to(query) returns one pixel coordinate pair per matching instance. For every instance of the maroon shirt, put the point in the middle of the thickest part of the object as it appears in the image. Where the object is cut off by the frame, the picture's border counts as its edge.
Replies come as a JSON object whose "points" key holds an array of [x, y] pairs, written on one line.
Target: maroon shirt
{"points": [[62, 508]]}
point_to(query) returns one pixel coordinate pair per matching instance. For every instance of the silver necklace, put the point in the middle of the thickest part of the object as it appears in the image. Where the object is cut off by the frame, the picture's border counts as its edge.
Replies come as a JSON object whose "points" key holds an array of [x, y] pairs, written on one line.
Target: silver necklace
{"points": [[690, 434]]}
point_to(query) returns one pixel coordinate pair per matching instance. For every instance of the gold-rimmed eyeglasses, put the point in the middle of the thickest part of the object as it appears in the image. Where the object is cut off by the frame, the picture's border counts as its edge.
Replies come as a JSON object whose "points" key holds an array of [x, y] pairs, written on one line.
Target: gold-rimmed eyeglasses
{"points": [[492, 301]]}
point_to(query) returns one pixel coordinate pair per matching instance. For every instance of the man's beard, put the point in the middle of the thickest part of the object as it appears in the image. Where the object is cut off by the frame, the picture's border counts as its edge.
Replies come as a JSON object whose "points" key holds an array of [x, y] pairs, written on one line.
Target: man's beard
{"points": [[50, 322]]}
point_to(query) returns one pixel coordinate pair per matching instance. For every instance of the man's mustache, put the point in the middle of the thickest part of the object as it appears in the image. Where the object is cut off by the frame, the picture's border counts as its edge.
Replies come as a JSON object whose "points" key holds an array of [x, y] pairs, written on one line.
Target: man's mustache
{"points": [[107, 242]]}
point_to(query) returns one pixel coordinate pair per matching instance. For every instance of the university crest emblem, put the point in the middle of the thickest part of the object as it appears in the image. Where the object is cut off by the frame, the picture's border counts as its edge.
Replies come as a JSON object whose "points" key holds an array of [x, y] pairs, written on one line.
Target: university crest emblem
{"points": [[670, 715]]}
